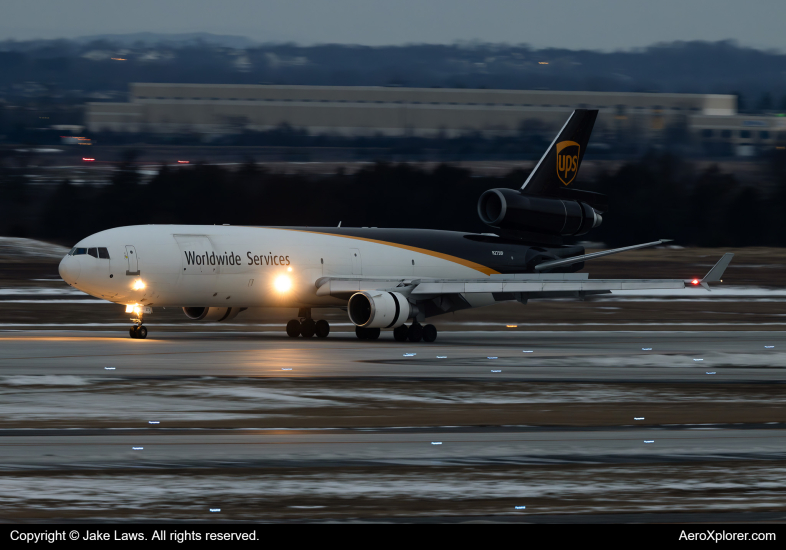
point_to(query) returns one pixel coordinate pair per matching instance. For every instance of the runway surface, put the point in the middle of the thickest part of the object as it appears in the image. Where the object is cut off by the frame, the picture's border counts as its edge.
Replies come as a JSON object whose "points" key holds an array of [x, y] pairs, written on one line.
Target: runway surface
{"points": [[680, 356], [94, 425]]}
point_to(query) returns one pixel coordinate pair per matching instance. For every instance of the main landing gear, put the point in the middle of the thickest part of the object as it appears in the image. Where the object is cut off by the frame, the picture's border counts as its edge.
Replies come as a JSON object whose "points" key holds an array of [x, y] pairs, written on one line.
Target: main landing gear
{"points": [[415, 333], [307, 327], [367, 333]]}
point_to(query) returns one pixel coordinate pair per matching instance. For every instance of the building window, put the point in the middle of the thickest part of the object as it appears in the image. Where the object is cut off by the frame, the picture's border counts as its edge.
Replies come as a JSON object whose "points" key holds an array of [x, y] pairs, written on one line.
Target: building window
{"points": [[706, 133], [726, 134], [745, 134], [764, 134]]}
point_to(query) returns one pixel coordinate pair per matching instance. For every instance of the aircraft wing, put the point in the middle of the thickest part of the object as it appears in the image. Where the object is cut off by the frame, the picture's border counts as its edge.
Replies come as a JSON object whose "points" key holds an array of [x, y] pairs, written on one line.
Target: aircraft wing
{"points": [[530, 285]]}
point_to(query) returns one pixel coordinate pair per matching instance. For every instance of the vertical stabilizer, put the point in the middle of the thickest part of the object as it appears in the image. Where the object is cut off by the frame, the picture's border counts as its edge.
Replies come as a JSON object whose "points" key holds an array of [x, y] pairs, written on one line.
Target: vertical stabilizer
{"points": [[559, 166]]}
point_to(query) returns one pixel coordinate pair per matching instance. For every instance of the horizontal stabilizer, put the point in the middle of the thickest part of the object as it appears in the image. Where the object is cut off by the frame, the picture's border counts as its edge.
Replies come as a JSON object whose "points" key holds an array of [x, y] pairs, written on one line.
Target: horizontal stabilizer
{"points": [[576, 259], [714, 275]]}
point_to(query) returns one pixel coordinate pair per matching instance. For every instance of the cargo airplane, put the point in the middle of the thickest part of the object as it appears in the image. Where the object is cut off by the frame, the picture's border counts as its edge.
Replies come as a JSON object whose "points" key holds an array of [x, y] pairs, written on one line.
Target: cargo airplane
{"points": [[382, 278]]}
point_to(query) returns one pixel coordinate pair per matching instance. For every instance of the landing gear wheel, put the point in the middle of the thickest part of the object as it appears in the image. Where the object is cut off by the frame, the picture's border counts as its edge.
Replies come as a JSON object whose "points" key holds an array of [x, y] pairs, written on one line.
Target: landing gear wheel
{"points": [[400, 333], [307, 328], [415, 333], [141, 332], [367, 333], [293, 328], [429, 333], [322, 328], [132, 332]]}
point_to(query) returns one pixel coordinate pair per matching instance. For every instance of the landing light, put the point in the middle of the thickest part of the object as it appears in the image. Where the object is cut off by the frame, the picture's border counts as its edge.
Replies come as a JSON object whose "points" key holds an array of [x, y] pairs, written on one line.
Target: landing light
{"points": [[136, 309], [282, 283], [138, 284]]}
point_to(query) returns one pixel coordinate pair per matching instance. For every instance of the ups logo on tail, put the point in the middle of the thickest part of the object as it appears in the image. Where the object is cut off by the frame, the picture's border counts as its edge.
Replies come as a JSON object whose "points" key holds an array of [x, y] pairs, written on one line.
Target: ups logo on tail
{"points": [[567, 160]]}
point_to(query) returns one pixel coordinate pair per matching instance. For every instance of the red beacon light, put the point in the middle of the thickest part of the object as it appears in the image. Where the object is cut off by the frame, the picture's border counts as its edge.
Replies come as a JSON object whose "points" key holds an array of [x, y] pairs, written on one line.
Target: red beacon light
{"points": [[182, 162], [694, 282], [88, 159]]}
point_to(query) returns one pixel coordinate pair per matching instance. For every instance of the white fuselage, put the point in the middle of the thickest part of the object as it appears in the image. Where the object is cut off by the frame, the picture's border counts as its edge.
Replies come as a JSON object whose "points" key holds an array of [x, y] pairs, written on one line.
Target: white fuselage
{"points": [[235, 266]]}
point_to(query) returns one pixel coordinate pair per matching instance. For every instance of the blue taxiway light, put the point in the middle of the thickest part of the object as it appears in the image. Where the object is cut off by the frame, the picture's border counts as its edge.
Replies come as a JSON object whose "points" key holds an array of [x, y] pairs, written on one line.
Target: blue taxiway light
{"points": [[410, 354], [152, 421], [436, 443], [215, 509], [646, 349], [109, 368], [496, 370], [137, 448], [521, 507], [638, 418], [698, 359], [649, 441]]}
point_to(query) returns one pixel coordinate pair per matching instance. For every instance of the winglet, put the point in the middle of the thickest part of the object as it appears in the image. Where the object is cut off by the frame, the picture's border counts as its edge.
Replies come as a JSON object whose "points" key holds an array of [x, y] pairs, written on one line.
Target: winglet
{"points": [[714, 275]]}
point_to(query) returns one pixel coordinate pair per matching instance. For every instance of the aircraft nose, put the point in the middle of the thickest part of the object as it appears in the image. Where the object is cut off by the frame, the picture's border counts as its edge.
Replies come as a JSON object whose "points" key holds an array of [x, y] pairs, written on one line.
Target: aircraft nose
{"points": [[69, 269]]}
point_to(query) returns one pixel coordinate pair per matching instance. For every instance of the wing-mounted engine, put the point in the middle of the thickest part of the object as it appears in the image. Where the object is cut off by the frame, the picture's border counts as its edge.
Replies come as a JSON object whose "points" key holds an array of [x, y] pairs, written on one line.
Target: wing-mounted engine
{"points": [[212, 314], [379, 309]]}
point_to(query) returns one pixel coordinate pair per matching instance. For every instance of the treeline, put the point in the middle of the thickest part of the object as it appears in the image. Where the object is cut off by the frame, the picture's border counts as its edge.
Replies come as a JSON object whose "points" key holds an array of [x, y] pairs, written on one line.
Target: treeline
{"points": [[657, 196]]}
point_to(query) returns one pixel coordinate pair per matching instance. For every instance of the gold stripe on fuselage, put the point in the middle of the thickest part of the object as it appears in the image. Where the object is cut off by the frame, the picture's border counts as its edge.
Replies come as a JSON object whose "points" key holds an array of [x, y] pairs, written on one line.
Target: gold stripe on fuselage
{"points": [[472, 265]]}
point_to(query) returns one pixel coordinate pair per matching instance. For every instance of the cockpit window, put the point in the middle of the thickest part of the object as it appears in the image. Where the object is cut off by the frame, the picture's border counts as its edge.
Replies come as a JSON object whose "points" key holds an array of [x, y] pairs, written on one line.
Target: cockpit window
{"points": [[98, 252]]}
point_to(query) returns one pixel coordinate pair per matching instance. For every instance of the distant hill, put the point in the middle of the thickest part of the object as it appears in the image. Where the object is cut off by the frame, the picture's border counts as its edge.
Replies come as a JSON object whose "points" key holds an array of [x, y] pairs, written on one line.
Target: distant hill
{"points": [[156, 39], [89, 67]]}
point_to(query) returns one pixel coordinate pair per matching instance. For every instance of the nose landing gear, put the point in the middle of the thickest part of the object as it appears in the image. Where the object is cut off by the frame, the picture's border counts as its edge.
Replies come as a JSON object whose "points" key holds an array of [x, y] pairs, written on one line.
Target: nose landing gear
{"points": [[138, 331]]}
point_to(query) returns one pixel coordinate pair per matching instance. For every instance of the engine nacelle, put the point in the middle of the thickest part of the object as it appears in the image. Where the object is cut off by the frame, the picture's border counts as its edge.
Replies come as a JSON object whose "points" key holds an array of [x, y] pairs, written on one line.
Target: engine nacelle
{"points": [[214, 314], [509, 209], [378, 309]]}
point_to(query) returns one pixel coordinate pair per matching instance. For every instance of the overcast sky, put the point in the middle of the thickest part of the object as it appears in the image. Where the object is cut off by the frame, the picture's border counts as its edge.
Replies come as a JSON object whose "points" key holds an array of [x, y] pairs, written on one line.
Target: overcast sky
{"points": [[575, 24]]}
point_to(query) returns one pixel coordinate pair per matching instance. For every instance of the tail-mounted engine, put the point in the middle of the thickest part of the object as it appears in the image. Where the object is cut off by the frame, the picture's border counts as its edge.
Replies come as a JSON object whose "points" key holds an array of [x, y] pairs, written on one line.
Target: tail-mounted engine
{"points": [[512, 210]]}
